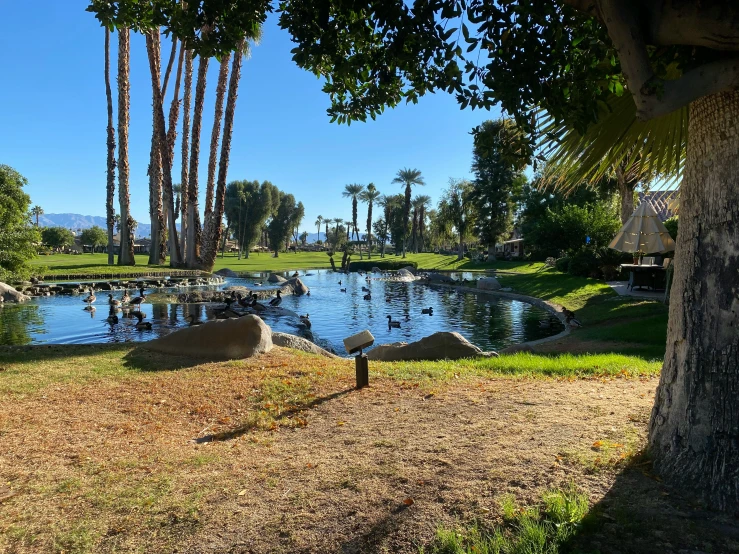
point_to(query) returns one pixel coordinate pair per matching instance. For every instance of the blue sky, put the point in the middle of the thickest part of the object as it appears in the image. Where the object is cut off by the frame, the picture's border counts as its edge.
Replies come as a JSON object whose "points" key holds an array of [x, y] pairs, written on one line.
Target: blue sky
{"points": [[53, 118]]}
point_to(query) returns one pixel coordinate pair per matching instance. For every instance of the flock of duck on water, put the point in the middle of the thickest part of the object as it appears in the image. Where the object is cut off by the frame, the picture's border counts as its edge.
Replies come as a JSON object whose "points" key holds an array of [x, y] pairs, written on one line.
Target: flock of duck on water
{"points": [[130, 307]]}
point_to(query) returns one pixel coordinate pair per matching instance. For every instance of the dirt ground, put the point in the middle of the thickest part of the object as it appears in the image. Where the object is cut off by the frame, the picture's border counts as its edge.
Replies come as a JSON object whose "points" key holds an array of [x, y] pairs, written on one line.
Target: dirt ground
{"points": [[160, 463]]}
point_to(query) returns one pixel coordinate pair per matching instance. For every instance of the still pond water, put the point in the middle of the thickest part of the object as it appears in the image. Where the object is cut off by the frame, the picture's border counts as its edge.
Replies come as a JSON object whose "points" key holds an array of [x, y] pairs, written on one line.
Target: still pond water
{"points": [[489, 322]]}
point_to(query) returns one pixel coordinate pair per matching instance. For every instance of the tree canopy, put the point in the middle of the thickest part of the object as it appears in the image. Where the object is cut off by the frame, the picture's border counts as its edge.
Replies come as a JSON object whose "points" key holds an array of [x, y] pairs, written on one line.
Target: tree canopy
{"points": [[288, 216], [248, 205], [94, 236], [18, 238]]}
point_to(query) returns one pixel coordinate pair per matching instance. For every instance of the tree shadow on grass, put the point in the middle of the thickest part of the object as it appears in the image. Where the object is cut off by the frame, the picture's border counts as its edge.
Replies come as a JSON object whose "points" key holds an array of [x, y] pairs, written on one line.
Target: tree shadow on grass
{"points": [[640, 515], [142, 359]]}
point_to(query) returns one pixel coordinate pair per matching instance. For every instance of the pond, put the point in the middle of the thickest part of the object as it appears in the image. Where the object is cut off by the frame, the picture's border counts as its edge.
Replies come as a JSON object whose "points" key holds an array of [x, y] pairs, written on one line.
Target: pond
{"points": [[488, 321]]}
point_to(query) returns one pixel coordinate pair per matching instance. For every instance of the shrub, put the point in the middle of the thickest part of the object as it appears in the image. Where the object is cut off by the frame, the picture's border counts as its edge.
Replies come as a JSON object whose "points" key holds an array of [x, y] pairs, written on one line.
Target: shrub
{"points": [[609, 260], [562, 264], [384, 264], [672, 226], [584, 263]]}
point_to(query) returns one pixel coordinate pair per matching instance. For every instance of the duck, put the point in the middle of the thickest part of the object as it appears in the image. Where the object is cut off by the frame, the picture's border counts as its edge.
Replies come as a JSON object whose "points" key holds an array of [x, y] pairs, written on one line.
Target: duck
{"points": [[428, 311], [342, 290], [90, 297], [296, 274], [243, 302], [368, 296], [193, 321], [568, 313], [256, 306], [391, 323], [365, 289], [125, 299], [113, 302], [112, 317], [339, 283], [139, 299], [257, 284], [141, 324], [407, 318], [573, 322], [305, 320], [89, 308], [276, 301]]}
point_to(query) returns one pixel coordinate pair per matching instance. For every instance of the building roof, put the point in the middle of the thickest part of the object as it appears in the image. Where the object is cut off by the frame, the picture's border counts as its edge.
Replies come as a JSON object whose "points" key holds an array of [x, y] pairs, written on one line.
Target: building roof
{"points": [[663, 202]]}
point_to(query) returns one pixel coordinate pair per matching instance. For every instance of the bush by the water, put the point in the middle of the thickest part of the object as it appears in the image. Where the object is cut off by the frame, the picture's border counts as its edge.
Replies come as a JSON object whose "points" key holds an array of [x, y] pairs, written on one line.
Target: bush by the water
{"points": [[382, 263], [562, 264]]}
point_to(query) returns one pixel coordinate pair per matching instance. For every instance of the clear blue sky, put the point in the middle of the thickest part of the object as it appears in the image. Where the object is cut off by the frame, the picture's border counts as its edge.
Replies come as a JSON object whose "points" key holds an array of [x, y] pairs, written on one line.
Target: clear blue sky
{"points": [[53, 119]]}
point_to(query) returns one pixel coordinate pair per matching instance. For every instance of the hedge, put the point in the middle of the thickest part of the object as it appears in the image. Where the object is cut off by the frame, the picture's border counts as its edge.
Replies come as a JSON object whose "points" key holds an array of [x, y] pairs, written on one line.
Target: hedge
{"points": [[383, 264]]}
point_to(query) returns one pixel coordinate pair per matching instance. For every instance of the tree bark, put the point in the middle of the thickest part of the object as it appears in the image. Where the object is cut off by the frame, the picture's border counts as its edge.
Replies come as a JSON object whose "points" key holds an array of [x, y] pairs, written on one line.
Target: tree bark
{"points": [[163, 148], [192, 258], [369, 230], [214, 220], [126, 256], [184, 175], [154, 171], [215, 134], [174, 114], [491, 252], [626, 187], [694, 428], [110, 188]]}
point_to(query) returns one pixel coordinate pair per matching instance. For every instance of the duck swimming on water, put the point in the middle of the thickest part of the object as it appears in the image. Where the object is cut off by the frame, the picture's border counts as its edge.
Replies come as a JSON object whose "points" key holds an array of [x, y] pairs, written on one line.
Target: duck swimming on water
{"points": [[429, 311], [141, 324], [113, 302], [139, 299], [392, 324], [305, 320], [90, 297], [276, 301]]}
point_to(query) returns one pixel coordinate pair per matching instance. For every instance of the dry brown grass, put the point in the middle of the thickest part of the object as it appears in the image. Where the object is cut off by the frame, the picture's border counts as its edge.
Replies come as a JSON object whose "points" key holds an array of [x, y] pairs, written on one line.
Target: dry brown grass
{"points": [[280, 454]]}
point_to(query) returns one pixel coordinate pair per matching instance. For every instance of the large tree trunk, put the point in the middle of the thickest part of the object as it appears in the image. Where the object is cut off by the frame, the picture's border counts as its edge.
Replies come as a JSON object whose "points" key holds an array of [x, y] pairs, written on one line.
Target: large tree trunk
{"points": [[626, 187], [174, 115], [192, 258], [155, 159], [369, 230], [214, 220], [184, 175], [694, 429], [162, 145], [215, 135], [491, 252], [110, 188], [460, 254], [125, 257]]}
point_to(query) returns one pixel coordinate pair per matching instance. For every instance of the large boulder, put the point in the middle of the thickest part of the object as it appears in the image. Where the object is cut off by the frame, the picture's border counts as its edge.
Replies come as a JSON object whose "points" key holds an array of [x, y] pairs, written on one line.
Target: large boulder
{"points": [[376, 269], [297, 286], [410, 269], [439, 346], [440, 278], [274, 278], [299, 343], [221, 339], [488, 283], [9, 294], [226, 272], [404, 275]]}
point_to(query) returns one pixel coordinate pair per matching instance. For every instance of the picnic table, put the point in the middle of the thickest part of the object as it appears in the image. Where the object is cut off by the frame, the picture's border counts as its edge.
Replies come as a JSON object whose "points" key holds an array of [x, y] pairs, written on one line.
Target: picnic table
{"points": [[645, 275]]}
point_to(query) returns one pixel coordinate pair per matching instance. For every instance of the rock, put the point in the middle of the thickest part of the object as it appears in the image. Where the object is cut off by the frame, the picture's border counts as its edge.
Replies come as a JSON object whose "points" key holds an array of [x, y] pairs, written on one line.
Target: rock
{"points": [[515, 348], [488, 283], [226, 272], [297, 286], [299, 343], [103, 286], [237, 288], [9, 294], [439, 346], [410, 269], [274, 278], [440, 278], [404, 275], [376, 269], [221, 339], [506, 289]]}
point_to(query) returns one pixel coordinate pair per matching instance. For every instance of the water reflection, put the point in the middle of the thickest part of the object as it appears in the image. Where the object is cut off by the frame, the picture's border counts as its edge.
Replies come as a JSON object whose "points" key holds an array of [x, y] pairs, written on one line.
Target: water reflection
{"points": [[487, 321]]}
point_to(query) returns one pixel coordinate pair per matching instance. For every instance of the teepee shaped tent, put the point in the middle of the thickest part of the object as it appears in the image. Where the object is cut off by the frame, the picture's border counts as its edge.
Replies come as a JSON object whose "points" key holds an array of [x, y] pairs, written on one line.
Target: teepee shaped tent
{"points": [[643, 232]]}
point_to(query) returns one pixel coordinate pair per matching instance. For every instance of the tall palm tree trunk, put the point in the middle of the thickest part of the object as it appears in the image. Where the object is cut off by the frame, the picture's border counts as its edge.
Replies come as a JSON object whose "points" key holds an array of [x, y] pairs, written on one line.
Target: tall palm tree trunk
{"points": [[155, 158], [110, 188], [414, 232], [421, 219], [174, 114], [406, 216], [693, 428], [164, 235], [168, 195], [125, 256], [369, 230], [192, 257], [214, 222], [184, 175], [216, 134]]}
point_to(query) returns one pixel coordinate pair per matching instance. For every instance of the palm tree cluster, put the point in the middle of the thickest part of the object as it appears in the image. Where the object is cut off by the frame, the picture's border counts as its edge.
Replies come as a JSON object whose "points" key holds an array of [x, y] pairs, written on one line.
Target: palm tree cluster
{"points": [[197, 243]]}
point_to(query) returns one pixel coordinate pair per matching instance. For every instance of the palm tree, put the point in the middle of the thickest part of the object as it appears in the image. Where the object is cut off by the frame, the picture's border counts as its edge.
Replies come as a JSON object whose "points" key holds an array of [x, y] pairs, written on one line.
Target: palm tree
{"points": [[110, 143], [408, 178], [37, 211], [318, 222], [421, 203], [216, 133], [338, 221], [369, 196], [184, 176], [327, 222], [192, 256], [155, 158], [387, 206], [353, 191], [214, 222], [125, 257]]}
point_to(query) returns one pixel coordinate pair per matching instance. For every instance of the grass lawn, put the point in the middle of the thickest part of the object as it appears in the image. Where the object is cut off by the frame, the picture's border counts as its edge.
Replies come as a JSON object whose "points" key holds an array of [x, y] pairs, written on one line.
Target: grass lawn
{"points": [[96, 264], [111, 448]]}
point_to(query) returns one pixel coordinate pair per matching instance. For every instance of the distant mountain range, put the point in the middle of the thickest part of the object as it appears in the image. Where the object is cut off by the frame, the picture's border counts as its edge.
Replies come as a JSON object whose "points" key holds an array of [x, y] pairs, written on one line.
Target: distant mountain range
{"points": [[78, 222]]}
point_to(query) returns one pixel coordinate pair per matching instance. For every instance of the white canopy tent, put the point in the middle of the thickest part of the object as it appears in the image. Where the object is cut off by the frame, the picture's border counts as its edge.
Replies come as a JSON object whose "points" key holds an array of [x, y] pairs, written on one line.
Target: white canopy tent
{"points": [[643, 232]]}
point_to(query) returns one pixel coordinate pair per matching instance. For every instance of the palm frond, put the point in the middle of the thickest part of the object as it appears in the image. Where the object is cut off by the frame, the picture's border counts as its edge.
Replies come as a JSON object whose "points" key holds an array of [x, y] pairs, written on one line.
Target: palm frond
{"points": [[646, 150]]}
